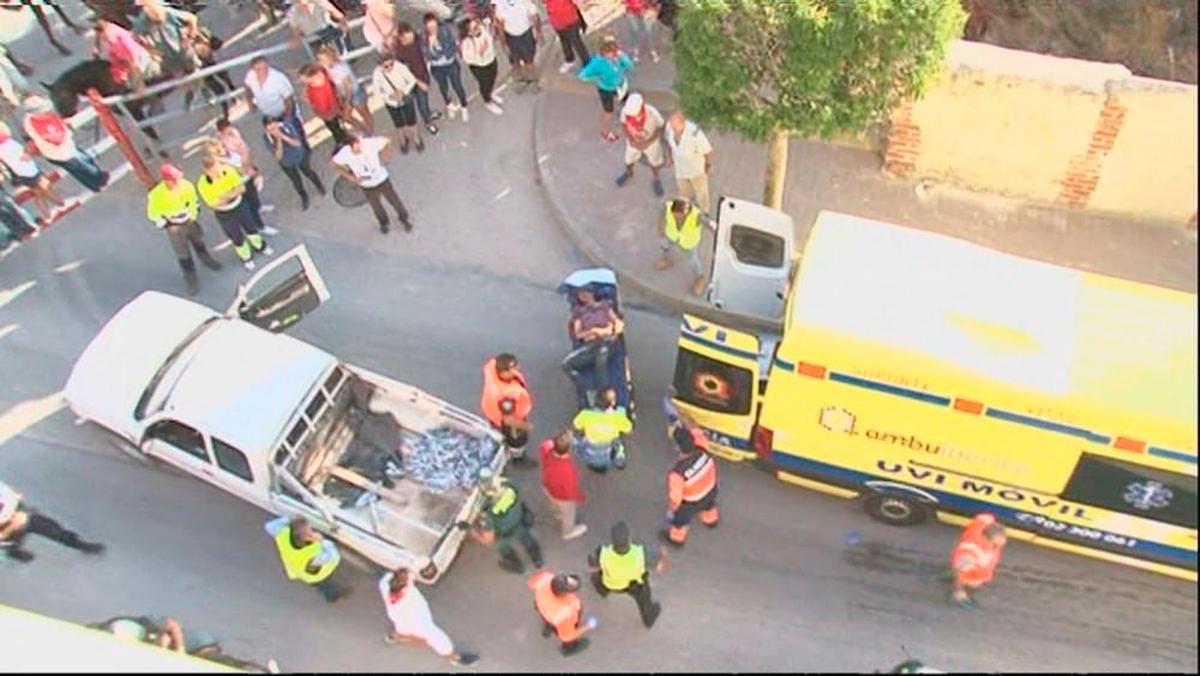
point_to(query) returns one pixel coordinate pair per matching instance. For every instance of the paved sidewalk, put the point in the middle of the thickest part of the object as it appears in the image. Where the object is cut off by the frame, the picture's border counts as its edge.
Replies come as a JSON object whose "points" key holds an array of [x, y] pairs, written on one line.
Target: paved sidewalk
{"points": [[619, 227]]}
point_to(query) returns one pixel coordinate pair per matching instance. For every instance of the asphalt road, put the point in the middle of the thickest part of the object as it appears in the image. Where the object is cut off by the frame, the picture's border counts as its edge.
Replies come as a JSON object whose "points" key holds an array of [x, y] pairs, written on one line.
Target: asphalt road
{"points": [[774, 588]]}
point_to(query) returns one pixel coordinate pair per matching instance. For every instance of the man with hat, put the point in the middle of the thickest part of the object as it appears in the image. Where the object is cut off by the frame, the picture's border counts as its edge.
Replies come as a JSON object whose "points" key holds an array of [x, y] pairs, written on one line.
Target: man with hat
{"points": [[506, 518], [643, 126], [172, 205], [623, 566]]}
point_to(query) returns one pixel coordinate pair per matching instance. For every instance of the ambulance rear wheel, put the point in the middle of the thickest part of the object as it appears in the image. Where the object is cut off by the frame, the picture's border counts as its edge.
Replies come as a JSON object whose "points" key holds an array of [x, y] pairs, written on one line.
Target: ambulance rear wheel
{"points": [[895, 510]]}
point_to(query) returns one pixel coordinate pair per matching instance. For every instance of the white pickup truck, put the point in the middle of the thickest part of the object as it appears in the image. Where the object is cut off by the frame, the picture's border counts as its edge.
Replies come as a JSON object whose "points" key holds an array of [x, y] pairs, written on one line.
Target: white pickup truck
{"points": [[281, 423]]}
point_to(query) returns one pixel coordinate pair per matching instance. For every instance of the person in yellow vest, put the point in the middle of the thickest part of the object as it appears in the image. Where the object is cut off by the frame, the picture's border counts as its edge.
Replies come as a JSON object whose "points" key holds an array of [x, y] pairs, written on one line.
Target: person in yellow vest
{"points": [[221, 186], [306, 556], [602, 429], [623, 566], [682, 227], [173, 207]]}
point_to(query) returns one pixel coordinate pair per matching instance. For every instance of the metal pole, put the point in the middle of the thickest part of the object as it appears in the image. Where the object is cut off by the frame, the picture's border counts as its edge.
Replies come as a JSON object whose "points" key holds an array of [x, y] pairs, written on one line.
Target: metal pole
{"points": [[118, 134]]}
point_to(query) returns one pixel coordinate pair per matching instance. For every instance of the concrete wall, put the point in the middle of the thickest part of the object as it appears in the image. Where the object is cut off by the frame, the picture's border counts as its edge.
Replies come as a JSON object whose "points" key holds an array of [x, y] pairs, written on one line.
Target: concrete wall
{"points": [[1073, 132]]}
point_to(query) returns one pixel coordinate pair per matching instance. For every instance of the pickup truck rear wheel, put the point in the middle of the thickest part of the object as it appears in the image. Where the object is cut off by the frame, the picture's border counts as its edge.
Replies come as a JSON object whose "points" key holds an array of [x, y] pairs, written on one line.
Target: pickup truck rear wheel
{"points": [[896, 510]]}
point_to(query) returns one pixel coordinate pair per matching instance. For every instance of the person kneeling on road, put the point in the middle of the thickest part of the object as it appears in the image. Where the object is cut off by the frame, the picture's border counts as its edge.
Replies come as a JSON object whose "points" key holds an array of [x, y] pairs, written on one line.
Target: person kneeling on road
{"points": [[602, 429], [306, 556], [507, 519], [222, 188], [623, 566], [556, 600], [597, 325]]}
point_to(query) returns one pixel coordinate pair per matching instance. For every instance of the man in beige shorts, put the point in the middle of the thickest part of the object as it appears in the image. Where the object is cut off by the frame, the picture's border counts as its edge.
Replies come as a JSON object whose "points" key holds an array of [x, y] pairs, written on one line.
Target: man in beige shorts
{"points": [[643, 126]]}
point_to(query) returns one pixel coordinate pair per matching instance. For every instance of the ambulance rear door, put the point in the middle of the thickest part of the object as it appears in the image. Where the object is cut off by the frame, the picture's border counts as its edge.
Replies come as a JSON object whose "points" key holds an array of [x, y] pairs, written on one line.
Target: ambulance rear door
{"points": [[716, 383], [752, 258]]}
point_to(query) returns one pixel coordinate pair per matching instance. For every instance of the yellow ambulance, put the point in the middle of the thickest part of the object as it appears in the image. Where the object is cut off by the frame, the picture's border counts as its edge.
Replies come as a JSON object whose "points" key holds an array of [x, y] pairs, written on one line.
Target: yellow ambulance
{"points": [[929, 376]]}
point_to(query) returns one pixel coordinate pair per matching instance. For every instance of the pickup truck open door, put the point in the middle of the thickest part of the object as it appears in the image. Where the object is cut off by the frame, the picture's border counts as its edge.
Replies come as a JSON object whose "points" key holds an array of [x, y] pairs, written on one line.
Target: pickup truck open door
{"points": [[752, 258], [281, 293]]}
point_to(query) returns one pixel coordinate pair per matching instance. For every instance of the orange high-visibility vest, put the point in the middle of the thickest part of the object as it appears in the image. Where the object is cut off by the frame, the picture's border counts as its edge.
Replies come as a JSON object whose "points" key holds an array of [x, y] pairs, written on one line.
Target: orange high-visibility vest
{"points": [[496, 390], [562, 612], [691, 479], [975, 557]]}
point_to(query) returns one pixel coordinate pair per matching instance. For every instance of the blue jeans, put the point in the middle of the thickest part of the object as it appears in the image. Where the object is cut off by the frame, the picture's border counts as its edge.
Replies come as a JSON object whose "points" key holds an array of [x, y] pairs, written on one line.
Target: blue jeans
{"points": [[448, 76], [641, 32], [85, 170], [15, 221], [422, 98]]}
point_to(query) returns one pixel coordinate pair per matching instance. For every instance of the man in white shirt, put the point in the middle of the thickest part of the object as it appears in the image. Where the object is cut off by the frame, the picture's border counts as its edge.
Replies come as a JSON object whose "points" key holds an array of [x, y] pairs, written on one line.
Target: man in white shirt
{"points": [[518, 22], [361, 161], [269, 91], [691, 154], [412, 620]]}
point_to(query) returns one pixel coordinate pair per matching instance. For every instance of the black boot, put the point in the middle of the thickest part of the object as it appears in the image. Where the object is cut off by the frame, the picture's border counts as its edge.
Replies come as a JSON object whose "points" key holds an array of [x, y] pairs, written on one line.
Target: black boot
{"points": [[534, 550], [575, 647], [189, 276], [510, 562], [207, 259]]}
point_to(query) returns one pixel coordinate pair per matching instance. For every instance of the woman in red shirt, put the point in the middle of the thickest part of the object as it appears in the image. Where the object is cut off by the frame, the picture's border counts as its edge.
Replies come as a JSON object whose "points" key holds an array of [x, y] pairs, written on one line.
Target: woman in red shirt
{"points": [[325, 101], [560, 480], [567, 22]]}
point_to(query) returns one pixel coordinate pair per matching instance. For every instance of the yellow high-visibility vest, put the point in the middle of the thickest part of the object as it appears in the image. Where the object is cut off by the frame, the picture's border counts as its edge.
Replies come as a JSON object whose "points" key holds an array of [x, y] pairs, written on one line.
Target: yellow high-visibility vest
{"points": [[214, 192], [687, 236], [618, 571], [295, 561], [176, 205]]}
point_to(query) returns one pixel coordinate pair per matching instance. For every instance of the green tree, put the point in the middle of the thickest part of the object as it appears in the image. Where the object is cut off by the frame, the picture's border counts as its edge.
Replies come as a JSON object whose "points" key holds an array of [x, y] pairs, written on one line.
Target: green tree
{"points": [[816, 68]]}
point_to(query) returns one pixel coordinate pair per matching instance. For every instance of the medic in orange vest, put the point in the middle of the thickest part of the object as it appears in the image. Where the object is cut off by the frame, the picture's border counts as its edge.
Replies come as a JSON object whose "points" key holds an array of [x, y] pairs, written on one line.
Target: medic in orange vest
{"points": [[974, 559], [692, 481], [556, 599], [506, 402]]}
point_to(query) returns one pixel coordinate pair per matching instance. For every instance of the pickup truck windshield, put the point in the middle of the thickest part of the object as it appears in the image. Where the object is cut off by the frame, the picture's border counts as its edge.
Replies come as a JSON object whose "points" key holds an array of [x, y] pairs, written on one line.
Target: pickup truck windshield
{"points": [[160, 386]]}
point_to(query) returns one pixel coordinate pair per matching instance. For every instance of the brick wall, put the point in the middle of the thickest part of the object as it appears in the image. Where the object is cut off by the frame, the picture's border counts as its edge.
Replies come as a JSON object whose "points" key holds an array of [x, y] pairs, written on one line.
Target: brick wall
{"points": [[1072, 132]]}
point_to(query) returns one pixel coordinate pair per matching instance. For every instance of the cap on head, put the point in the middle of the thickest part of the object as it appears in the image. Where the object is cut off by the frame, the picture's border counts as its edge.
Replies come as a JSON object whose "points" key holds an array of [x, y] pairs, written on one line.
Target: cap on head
{"points": [[170, 172], [36, 104], [633, 105]]}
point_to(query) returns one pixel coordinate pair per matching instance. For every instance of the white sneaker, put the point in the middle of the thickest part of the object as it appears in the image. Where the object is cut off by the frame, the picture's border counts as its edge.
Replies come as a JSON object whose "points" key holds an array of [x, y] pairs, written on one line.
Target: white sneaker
{"points": [[566, 67], [451, 110], [266, 208], [268, 230], [493, 108], [466, 115], [249, 265], [267, 251], [577, 531], [496, 98]]}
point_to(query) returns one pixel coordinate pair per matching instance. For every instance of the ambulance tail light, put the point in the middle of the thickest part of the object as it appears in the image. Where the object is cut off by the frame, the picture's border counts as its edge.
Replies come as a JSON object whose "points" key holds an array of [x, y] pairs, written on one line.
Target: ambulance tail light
{"points": [[763, 439]]}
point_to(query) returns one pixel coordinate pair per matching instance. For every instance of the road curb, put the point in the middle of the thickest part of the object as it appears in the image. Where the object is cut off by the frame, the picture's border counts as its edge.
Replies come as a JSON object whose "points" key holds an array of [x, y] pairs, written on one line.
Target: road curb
{"points": [[595, 252]]}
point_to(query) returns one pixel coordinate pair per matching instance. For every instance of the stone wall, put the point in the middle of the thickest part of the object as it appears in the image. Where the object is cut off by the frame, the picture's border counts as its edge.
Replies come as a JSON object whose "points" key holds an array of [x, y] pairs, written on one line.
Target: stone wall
{"points": [[1050, 129]]}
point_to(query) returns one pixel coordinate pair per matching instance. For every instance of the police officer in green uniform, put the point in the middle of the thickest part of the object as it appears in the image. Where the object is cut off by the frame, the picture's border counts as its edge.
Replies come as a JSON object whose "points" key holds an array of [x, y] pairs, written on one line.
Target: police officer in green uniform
{"points": [[507, 519], [306, 556], [623, 566]]}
